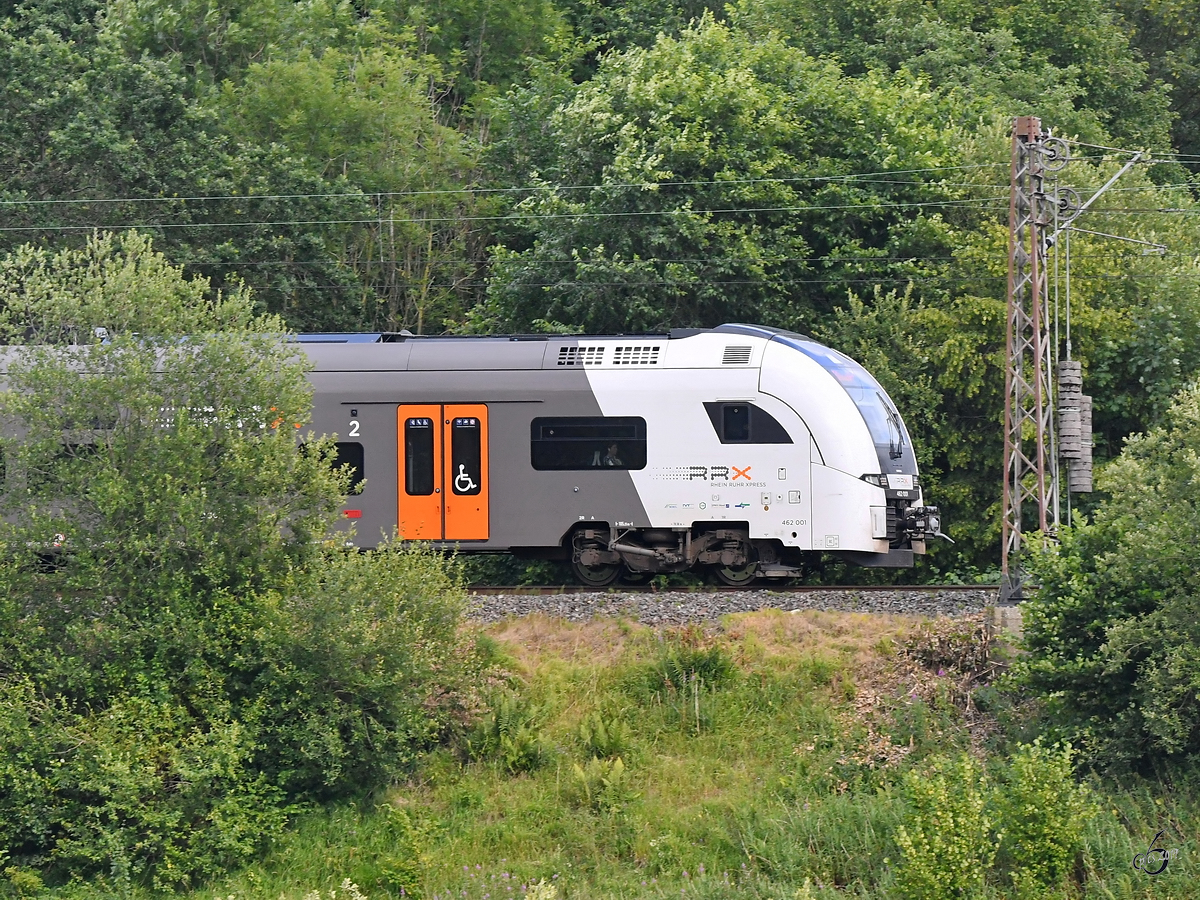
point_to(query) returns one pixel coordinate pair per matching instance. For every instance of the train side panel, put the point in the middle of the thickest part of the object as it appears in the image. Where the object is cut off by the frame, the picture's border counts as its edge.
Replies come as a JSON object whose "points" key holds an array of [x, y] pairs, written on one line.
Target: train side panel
{"points": [[528, 508]]}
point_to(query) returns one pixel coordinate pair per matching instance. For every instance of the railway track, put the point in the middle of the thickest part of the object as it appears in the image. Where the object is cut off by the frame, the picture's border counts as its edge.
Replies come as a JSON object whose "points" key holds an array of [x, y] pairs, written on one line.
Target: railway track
{"points": [[681, 605], [552, 589]]}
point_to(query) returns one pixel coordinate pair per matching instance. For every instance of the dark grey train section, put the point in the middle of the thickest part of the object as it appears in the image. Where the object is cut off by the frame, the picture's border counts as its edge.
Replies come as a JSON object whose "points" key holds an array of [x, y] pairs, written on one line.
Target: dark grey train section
{"points": [[738, 448]]}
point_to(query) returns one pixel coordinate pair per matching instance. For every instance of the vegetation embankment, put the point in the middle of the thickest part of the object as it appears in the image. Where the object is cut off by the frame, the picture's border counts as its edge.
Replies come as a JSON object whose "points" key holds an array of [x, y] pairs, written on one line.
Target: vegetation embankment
{"points": [[778, 755]]}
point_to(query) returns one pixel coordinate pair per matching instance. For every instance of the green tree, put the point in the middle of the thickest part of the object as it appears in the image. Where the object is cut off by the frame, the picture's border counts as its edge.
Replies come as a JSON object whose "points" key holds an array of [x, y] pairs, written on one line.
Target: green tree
{"points": [[182, 660], [369, 117], [210, 39], [1135, 325], [604, 26], [709, 178], [94, 139], [1165, 32], [1070, 63], [487, 44]]}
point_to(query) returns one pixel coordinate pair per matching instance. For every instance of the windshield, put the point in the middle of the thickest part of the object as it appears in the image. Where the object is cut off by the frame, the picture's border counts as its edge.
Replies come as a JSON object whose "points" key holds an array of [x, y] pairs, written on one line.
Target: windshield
{"points": [[883, 422]]}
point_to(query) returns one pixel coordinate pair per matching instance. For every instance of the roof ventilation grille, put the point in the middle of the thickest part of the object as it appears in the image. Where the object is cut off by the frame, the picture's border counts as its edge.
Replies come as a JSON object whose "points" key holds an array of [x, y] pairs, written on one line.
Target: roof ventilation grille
{"points": [[580, 356], [736, 356], [636, 355]]}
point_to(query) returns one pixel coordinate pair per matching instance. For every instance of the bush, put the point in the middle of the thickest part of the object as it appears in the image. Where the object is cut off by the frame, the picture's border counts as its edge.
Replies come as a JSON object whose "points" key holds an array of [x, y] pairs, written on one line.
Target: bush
{"points": [[190, 662], [512, 735], [364, 669], [1029, 820], [600, 785], [1042, 813], [1113, 627], [320, 692], [946, 840], [604, 737]]}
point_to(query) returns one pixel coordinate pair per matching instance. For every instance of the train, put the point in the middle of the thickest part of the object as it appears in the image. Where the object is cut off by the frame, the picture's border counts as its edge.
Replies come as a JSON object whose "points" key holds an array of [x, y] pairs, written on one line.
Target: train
{"points": [[739, 449]]}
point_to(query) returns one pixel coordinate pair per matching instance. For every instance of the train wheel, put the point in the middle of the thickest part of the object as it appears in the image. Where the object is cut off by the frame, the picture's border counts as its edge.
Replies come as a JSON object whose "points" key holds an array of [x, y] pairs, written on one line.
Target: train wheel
{"points": [[597, 576], [736, 576]]}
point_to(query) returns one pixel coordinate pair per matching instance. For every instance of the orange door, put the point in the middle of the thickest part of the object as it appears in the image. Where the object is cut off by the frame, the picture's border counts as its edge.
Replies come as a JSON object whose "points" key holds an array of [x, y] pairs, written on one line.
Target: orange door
{"points": [[420, 463], [443, 467], [465, 448]]}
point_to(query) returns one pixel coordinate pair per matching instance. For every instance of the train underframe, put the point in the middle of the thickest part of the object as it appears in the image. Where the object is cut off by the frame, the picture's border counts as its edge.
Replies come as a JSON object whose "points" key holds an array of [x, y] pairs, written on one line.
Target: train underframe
{"points": [[600, 553]]}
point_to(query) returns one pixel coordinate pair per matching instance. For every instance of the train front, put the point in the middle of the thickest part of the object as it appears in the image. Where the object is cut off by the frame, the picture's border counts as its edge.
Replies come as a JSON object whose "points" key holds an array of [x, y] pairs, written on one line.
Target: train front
{"points": [[867, 500]]}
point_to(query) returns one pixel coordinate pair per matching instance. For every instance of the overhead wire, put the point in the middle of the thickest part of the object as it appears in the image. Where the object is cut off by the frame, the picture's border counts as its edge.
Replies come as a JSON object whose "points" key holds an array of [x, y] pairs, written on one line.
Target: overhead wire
{"points": [[509, 217], [525, 261], [360, 194]]}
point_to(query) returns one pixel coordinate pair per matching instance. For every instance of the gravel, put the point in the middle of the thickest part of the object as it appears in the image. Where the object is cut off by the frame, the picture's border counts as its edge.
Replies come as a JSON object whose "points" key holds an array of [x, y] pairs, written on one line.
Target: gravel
{"points": [[679, 607]]}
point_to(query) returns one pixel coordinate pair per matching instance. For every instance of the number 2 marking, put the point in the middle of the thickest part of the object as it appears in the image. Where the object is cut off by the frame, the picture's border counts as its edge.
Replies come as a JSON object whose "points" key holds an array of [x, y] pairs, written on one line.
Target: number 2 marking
{"points": [[354, 428]]}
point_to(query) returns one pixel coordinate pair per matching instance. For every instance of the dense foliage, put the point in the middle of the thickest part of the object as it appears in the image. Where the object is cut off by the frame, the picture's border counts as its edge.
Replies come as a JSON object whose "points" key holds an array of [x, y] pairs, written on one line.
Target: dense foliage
{"points": [[182, 660], [580, 164], [1112, 632]]}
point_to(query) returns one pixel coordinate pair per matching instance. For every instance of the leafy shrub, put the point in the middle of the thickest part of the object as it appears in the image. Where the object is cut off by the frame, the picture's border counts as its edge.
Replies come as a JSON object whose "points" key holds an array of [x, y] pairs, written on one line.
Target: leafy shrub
{"points": [[1112, 628], [408, 840], [324, 691], [365, 669], [134, 788], [945, 840], [683, 666], [1029, 820], [683, 677], [1042, 813], [194, 663]]}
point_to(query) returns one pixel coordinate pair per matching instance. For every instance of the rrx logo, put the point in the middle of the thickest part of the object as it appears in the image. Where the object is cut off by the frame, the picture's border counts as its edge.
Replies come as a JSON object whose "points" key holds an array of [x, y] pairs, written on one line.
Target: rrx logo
{"points": [[718, 473]]}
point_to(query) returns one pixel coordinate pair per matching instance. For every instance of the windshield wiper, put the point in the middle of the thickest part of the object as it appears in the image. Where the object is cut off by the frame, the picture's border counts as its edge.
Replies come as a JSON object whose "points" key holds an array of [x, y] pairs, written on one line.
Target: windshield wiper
{"points": [[896, 447]]}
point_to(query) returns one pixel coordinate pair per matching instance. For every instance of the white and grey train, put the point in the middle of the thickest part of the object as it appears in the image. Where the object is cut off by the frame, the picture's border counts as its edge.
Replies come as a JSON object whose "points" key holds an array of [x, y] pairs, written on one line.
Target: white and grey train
{"points": [[738, 448]]}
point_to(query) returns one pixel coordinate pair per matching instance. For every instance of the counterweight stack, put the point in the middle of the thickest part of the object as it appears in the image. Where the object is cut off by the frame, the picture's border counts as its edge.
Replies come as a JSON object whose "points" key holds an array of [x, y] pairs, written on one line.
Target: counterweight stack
{"points": [[1074, 427]]}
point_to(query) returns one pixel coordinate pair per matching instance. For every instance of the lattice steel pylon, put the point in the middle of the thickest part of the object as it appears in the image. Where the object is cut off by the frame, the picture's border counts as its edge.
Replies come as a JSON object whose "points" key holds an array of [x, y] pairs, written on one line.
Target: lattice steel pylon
{"points": [[1030, 469]]}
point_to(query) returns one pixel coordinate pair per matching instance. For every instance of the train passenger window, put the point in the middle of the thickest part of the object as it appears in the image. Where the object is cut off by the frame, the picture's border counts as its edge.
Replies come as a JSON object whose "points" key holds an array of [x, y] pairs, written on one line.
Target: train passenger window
{"points": [[466, 476], [351, 454], [584, 442], [745, 423], [419, 459]]}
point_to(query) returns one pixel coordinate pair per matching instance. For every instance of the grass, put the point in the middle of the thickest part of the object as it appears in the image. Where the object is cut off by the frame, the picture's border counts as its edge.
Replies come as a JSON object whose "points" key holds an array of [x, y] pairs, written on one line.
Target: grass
{"points": [[759, 759]]}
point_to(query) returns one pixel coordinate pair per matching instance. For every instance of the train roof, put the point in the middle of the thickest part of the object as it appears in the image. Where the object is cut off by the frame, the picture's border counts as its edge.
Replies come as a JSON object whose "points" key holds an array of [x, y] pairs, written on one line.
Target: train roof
{"points": [[674, 334], [726, 345]]}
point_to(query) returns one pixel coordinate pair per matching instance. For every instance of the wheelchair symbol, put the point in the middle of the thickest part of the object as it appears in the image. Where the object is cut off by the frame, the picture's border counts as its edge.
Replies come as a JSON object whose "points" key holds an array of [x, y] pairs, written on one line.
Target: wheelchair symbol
{"points": [[462, 481]]}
